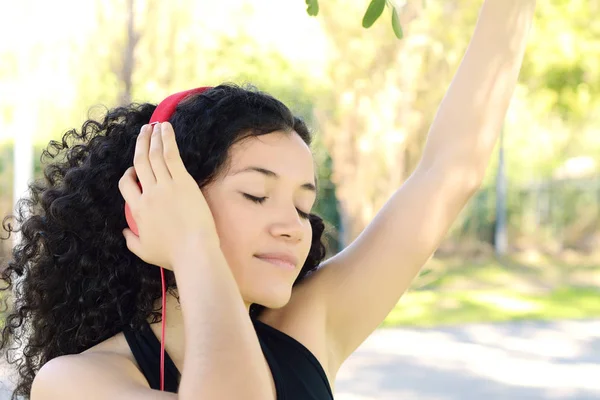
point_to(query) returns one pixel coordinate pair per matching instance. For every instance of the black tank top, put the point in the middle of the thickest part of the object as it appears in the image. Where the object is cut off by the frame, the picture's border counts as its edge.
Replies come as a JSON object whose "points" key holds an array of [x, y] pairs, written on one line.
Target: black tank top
{"points": [[297, 373]]}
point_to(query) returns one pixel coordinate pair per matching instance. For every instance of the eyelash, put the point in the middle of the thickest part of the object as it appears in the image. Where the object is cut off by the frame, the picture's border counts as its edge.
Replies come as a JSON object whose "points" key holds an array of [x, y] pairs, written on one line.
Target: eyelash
{"points": [[260, 200]]}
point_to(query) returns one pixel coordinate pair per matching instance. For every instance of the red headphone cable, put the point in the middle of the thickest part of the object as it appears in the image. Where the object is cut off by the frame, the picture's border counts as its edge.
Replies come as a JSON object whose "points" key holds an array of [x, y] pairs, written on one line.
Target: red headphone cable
{"points": [[162, 333], [162, 112]]}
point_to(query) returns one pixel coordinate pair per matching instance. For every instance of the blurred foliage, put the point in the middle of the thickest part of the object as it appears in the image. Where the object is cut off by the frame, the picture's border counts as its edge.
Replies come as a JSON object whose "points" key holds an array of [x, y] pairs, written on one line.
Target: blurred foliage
{"points": [[371, 103], [386, 96], [166, 58], [553, 215], [556, 110]]}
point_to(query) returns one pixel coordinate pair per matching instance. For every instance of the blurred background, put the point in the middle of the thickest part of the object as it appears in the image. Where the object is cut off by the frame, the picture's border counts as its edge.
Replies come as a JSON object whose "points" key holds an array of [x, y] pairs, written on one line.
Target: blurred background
{"points": [[509, 306]]}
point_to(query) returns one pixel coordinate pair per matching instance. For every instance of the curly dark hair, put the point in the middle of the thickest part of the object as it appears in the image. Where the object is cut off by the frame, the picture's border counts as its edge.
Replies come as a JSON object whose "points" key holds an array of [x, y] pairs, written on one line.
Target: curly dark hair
{"points": [[73, 281]]}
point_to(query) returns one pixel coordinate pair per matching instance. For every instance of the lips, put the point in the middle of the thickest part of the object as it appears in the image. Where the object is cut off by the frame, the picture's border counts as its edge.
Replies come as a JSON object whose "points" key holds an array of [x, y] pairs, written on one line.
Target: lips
{"points": [[285, 260]]}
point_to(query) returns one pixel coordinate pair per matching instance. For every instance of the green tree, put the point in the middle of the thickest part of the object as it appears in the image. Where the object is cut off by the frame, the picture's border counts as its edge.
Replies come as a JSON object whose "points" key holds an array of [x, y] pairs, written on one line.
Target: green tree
{"points": [[385, 95]]}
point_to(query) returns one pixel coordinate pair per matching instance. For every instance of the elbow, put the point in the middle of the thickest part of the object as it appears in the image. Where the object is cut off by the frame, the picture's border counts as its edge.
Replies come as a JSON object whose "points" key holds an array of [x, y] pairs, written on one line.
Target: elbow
{"points": [[458, 176], [470, 182], [462, 171], [473, 180]]}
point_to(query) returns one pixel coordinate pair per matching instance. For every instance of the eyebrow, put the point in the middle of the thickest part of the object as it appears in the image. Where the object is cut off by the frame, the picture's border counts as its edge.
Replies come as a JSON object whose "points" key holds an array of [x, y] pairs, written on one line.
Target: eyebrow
{"points": [[271, 174]]}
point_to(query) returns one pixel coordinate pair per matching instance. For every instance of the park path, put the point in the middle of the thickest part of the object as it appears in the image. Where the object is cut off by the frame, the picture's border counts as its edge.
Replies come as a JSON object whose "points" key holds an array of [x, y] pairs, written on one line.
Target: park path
{"points": [[519, 360]]}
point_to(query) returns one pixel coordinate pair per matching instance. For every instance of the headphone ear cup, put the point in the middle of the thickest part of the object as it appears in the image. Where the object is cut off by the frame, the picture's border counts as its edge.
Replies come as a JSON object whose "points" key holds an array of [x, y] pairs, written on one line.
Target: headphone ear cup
{"points": [[129, 217], [130, 220]]}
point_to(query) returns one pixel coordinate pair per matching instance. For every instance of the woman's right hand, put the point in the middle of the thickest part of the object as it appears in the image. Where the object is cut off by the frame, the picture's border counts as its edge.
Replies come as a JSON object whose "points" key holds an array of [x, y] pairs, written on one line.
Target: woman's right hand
{"points": [[170, 212]]}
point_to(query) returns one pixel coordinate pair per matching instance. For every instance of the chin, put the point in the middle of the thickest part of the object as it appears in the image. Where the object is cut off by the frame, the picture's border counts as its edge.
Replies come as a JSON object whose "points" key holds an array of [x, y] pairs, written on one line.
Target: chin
{"points": [[271, 297]]}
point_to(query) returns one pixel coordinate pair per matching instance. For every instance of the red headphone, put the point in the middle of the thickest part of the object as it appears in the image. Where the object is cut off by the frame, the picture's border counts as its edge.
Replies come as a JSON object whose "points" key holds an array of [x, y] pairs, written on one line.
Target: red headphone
{"points": [[162, 113]]}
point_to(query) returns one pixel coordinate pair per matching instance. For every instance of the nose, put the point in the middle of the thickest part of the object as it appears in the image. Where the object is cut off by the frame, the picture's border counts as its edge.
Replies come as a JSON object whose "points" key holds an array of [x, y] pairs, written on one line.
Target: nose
{"points": [[288, 225]]}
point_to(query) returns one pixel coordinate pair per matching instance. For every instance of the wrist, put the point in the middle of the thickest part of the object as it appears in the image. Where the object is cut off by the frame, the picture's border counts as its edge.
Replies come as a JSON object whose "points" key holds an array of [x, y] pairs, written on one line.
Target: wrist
{"points": [[200, 248]]}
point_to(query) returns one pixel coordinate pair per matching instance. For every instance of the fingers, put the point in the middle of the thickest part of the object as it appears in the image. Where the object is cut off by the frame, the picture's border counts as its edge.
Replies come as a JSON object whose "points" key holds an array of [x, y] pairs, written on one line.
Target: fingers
{"points": [[171, 152], [128, 186], [157, 157], [153, 161], [149, 158], [132, 241], [141, 162]]}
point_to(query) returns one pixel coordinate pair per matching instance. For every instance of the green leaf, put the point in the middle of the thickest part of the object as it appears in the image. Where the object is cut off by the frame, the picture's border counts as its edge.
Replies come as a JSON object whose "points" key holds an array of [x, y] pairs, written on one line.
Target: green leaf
{"points": [[312, 7], [396, 24], [373, 12]]}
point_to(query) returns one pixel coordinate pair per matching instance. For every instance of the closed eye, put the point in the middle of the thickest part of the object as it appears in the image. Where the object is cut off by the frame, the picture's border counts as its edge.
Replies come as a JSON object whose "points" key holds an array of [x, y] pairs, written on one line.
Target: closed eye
{"points": [[260, 200], [255, 199]]}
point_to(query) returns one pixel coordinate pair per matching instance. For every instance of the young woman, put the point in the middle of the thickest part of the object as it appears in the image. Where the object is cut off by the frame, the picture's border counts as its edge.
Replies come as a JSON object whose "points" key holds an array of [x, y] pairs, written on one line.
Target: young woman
{"points": [[227, 186]]}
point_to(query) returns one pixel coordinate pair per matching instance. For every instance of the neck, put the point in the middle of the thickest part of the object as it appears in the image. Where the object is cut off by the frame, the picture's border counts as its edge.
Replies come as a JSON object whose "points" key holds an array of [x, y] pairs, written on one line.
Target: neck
{"points": [[174, 331]]}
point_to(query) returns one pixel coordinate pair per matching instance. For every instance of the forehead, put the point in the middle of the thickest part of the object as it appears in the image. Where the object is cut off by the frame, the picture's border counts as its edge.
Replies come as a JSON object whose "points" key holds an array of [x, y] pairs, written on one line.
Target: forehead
{"points": [[284, 153]]}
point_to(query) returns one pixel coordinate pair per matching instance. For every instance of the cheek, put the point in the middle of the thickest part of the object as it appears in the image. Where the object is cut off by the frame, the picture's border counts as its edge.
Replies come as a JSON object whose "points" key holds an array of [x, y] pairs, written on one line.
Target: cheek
{"points": [[233, 225], [307, 240], [229, 219], [235, 230]]}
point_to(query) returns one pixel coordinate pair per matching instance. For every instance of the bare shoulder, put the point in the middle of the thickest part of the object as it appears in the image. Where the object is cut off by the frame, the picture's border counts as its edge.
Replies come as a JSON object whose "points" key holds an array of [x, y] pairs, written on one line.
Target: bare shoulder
{"points": [[303, 318], [96, 373], [116, 345]]}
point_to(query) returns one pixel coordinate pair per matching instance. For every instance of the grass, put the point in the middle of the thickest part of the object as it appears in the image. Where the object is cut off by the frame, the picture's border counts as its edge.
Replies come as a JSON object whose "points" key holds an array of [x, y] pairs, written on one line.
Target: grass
{"points": [[491, 290], [433, 308]]}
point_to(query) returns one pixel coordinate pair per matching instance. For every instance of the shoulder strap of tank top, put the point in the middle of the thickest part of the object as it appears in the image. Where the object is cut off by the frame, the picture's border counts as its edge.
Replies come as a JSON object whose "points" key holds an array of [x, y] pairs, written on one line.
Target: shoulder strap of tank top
{"points": [[145, 347]]}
